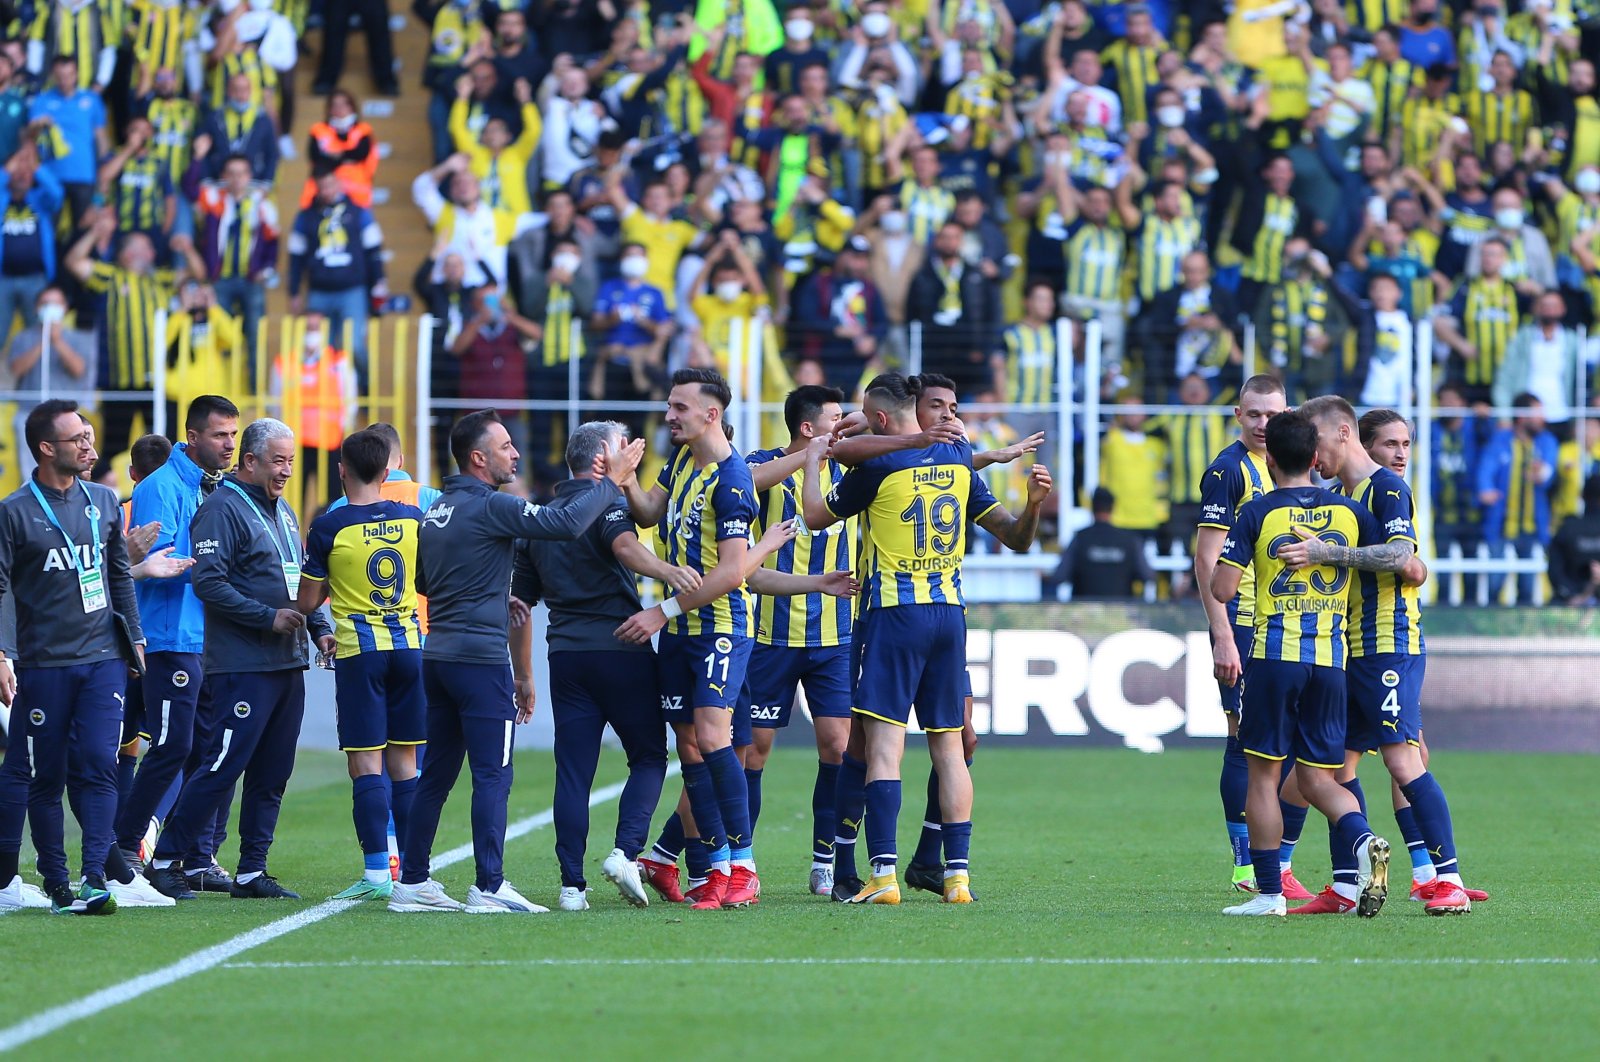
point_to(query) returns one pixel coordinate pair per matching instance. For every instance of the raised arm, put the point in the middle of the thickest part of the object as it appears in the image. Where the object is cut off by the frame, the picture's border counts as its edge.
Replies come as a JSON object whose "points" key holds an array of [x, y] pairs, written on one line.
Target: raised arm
{"points": [[1017, 533]]}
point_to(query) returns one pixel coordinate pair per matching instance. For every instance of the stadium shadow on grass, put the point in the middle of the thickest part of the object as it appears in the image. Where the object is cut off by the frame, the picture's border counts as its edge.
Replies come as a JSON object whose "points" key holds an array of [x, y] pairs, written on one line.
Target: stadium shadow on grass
{"points": [[1101, 874]]}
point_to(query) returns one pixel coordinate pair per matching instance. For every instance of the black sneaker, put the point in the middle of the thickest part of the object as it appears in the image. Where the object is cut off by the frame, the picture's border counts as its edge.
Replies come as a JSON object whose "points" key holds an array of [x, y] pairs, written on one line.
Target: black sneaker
{"points": [[261, 887], [211, 879], [844, 889], [169, 881], [924, 877]]}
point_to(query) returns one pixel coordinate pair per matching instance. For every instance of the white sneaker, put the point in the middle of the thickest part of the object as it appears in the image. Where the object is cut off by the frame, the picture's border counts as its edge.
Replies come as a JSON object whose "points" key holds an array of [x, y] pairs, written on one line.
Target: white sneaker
{"points": [[504, 900], [822, 881], [574, 898], [429, 896], [138, 893], [1259, 905], [19, 896], [1372, 868], [624, 874]]}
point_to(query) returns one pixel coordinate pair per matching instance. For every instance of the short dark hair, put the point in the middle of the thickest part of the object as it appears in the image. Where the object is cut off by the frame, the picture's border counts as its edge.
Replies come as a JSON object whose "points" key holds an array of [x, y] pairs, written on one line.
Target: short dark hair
{"points": [[468, 433], [391, 435], [148, 453], [1292, 442], [893, 389], [366, 455], [1102, 501], [1374, 419], [804, 403], [932, 379], [1526, 400], [102, 468], [205, 407], [711, 382], [41, 422], [236, 157]]}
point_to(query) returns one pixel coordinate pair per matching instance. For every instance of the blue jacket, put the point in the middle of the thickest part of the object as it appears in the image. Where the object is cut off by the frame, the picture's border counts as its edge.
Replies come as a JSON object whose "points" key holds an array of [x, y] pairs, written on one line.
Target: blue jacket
{"points": [[1495, 473], [174, 620], [45, 199]]}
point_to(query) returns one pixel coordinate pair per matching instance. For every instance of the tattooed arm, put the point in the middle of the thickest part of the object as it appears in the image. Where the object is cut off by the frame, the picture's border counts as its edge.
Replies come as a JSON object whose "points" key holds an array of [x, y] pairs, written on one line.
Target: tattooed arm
{"points": [[1311, 551]]}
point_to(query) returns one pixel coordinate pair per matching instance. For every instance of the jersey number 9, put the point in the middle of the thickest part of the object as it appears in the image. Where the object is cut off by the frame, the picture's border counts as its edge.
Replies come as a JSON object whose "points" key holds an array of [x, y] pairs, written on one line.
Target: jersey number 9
{"points": [[386, 571]]}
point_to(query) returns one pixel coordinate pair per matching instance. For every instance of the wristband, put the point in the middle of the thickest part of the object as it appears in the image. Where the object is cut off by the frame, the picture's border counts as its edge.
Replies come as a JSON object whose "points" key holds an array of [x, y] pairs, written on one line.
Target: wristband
{"points": [[670, 608]]}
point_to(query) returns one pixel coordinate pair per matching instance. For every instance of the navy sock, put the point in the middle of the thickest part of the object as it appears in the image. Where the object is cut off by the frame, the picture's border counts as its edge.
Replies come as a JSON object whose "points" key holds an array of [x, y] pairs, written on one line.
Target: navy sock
{"points": [[116, 867], [1294, 821], [1343, 837], [371, 813], [957, 844], [696, 858], [1416, 845], [671, 842], [401, 796], [752, 782], [850, 803], [822, 813], [703, 805], [733, 798], [1433, 815], [1233, 785], [883, 814], [8, 867], [1269, 878], [127, 765], [1354, 785], [929, 844]]}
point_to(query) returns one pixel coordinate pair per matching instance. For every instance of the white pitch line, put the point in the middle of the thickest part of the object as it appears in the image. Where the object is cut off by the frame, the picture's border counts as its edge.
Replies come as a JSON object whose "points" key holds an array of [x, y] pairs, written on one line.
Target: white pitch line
{"points": [[48, 1021], [871, 961]]}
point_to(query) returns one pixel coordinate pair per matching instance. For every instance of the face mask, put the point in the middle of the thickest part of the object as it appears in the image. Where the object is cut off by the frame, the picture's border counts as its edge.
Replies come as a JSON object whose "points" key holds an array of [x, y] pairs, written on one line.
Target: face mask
{"points": [[635, 267], [875, 24], [1588, 182], [239, 106], [1509, 218], [893, 222], [566, 263], [491, 306], [52, 312], [313, 342], [729, 290], [799, 29], [261, 5], [1170, 117], [1550, 322], [344, 124]]}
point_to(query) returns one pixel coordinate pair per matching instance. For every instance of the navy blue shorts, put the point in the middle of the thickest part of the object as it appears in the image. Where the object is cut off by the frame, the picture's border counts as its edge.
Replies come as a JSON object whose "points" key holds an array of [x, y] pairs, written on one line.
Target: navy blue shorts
{"points": [[914, 655], [1243, 638], [1290, 709], [700, 671], [379, 700], [1385, 701], [777, 671]]}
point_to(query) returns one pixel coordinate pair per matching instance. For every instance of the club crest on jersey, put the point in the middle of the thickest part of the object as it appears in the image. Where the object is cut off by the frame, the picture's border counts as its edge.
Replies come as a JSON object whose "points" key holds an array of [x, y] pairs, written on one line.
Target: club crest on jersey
{"points": [[1391, 679], [36, 717], [724, 645], [180, 679], [242, 710], [92, 511], [439, 516]]}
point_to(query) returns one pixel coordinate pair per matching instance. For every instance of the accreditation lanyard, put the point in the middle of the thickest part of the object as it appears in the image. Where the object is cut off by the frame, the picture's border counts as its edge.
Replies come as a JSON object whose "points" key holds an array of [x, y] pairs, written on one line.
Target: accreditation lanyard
{"points": [[91, 580], [291, 567]]}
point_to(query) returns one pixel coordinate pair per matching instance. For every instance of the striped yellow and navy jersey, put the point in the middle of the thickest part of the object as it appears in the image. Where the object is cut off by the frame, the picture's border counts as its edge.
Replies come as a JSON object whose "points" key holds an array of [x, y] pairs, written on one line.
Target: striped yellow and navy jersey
{"points": [[1297, 312], [160, 33], [1280, 217], [926, 209], [877, 121], [83, 32], [1300, 615], [1423, 121], [247, 61], [1094, 256], [172, 124], [1488, 313], [1030, 364], [1373, 15], [367, 554], [1391, 87], [706, 507], [561, 342], [917, 505], [141, 192], [1385, 615], [1161, 246], [802, 621], [1136, 74], [1234, 478], [1494, 117], [1192, 441], [129, 321]]}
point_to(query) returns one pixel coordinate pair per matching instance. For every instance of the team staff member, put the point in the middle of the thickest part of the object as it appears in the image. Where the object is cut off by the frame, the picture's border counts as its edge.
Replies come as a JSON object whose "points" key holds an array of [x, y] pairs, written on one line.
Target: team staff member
{"points": [[180, 714], [464, 555], [364, 555], [1293, 700], [595, 679], [703, 504], [246, 574], [62, 552]]}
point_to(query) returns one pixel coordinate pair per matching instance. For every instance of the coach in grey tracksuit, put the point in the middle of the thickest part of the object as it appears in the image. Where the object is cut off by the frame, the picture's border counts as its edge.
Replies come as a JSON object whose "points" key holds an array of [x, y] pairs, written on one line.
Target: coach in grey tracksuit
{"points": [[248, 555], [464, 557], [63, 558]]}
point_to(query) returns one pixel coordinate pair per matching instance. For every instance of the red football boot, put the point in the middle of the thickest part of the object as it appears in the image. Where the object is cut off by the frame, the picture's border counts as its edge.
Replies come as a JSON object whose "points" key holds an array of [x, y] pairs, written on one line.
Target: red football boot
{"points": [[662, 877], [1292, 889], [744, 888], [709, 896], [1327, 902], [1448, 898]]}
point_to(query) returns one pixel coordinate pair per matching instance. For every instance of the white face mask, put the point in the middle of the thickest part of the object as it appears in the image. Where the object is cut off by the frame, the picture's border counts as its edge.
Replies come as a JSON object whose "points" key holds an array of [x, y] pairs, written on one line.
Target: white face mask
{"points": [[566, 263], [972, 76], [875, 24], [799, 29], [1509, 218], [1170, 117], [635, 266], [313, 342], [893, 222], [1588, 182], [729, 290], [261, 5], [343, 124], [51, 312]]}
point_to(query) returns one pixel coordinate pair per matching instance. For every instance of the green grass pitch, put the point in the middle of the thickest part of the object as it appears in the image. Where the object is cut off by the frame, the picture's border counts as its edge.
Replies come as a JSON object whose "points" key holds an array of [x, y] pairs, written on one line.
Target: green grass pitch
{"points": [[1098, 934]]}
